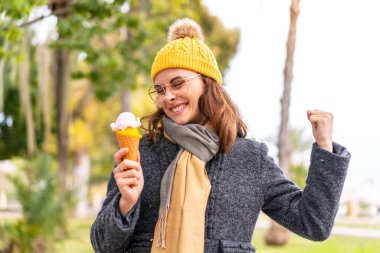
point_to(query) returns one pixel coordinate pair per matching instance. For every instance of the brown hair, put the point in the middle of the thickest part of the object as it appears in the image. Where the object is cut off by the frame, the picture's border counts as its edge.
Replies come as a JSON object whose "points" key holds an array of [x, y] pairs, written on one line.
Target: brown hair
{"points": [[219, 110]]}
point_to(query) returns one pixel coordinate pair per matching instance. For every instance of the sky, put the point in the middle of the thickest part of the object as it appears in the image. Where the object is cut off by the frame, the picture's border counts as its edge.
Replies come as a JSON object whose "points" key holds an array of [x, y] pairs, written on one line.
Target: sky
{"points": [[336, 69]]}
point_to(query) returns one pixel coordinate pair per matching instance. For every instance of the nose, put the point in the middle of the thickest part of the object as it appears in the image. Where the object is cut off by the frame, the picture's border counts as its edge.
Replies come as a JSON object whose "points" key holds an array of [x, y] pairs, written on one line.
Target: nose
{"points": [[169, 96]]}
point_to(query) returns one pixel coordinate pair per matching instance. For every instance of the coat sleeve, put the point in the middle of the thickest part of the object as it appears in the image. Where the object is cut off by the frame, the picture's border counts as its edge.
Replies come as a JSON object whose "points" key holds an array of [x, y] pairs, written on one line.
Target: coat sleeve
{"points": [[110, 233], [309, 213]]}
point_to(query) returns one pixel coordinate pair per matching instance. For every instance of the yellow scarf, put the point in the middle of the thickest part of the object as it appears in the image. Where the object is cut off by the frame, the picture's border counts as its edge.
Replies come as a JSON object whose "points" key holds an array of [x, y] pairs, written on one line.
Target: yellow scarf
{"points": [[181, 223], [185, 222]]}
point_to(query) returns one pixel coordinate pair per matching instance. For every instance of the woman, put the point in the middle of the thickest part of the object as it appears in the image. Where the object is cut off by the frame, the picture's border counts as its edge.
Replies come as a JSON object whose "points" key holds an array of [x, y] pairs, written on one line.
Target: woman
{"points": [[199, 185]]}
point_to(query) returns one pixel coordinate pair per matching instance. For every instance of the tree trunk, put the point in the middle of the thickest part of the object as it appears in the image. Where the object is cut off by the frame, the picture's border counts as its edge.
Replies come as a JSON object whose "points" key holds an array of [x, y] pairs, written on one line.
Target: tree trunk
{"points": [[61, 76], [26, 102], [125, 96], [43, 65], [2, 65], [125, 100], [277, 235], [81, 177], [9, 248]]}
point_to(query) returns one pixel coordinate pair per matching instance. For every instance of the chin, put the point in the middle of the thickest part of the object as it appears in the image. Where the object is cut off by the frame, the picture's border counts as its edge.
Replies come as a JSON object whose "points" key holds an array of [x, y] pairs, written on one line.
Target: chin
{"points": [[180, 121]]}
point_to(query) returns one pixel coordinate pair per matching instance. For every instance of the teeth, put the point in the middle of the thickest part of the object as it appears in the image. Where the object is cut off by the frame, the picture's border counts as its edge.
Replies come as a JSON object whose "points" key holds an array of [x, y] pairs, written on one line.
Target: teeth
{"points": [[178, 108]]}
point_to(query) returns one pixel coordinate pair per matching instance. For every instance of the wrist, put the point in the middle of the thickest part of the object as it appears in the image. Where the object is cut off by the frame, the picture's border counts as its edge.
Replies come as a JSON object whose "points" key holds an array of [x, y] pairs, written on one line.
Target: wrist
{"points": [[326, 146], [124, 206]]}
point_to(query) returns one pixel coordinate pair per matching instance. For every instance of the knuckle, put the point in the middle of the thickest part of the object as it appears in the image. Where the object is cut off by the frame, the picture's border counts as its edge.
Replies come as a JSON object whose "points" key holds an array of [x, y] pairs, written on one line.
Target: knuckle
{"points": [[125, 163]]}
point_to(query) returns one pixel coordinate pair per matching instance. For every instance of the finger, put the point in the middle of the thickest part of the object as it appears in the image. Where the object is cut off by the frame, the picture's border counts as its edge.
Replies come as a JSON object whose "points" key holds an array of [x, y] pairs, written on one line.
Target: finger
{"points": [[313, 118], [321, 118], [128, 174], [315, 122], [127, 182], [130, 182], [120, 154], [126, 165], [318, 112]]}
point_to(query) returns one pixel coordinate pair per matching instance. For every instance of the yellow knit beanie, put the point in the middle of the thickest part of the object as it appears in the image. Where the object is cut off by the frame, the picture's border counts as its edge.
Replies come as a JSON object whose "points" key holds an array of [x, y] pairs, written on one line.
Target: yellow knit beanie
{"points": [[187, 50]]}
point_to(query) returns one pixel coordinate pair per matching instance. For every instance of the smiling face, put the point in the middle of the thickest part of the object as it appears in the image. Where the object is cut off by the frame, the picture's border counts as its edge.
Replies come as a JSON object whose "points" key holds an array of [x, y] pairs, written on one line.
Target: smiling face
{"points": [[182, 109]]}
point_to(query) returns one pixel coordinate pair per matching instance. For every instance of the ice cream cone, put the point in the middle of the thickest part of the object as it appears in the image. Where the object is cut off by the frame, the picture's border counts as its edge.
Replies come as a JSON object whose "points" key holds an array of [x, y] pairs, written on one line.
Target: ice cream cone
{"points": [[128, 141], [127, 133]]}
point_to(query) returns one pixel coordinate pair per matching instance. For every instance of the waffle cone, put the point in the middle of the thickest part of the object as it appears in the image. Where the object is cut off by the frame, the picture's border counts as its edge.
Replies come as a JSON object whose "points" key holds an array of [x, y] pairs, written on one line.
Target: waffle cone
{"points": [[130, 142]]}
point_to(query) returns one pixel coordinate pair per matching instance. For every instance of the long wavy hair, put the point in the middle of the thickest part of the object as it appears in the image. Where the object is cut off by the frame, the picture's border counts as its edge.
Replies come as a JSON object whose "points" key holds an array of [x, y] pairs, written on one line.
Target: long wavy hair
{"points": [[219, 111]]}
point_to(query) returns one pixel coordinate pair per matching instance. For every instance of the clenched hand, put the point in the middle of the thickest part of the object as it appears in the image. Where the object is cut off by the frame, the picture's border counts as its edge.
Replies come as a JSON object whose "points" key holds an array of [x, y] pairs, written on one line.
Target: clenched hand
{"points": [[322, 123]]}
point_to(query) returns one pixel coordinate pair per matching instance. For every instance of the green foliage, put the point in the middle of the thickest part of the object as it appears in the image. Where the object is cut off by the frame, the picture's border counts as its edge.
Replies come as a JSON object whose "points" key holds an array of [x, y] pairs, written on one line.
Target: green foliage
{"points": [[117, 41], [79, 239], [298, 142], [120, 48], [6, 231], [12, 14], [298, 173], [44, 208], [12, 122], [119, 44], [18, 9]]}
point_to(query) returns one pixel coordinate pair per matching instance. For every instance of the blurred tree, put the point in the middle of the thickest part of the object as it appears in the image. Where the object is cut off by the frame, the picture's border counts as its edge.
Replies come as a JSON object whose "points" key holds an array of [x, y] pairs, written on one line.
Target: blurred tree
{"points": [[25, 94], [278, 235], [44, 207], [16, 51], [111, 44], [11, 15], [44, 103], [19, 130], [118, 39], [61, 78], [297, 167]]}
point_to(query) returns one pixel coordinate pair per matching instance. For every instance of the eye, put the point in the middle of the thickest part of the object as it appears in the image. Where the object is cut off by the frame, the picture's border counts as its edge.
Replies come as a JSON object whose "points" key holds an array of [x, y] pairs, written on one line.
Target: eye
{"points": [[159, 89], [177, 83]]}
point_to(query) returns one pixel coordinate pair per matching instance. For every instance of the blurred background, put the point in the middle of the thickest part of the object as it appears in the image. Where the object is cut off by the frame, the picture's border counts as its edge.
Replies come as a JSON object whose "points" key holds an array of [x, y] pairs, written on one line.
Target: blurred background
{"points": [[69, 67]]}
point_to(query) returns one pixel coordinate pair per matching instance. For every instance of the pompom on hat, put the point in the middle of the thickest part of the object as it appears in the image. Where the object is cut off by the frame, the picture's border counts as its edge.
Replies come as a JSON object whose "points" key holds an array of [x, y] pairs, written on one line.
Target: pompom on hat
{"points": [[186, 50]]}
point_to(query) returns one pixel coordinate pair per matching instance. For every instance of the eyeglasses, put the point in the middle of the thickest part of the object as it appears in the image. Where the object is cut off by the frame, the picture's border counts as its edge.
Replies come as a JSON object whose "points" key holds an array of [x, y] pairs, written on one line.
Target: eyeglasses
{"points": [[177, 86]]}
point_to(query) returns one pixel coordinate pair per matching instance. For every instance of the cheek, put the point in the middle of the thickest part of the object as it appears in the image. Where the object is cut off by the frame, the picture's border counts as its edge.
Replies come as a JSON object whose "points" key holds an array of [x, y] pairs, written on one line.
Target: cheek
{"points": [[195, 102]]}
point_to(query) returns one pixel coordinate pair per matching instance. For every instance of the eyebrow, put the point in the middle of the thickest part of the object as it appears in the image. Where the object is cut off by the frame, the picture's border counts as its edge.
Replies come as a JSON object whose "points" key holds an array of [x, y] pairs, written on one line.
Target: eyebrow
{"points": [[162, 84]]}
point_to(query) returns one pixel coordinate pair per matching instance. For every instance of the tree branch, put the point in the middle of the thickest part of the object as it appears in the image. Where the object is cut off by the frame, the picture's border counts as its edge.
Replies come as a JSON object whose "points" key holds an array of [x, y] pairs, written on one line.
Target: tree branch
{"points": [[57, 12]]}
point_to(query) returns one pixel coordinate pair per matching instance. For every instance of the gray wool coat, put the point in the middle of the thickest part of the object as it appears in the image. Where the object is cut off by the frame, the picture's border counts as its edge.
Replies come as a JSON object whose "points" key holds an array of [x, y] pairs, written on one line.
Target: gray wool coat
{"points": [[244, 181]]}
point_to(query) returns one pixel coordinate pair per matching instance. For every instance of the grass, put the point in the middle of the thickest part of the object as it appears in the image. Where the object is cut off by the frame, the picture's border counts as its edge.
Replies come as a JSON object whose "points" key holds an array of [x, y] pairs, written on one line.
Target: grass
{"points": [[335, 244], [79, 241], [358, 225]]}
